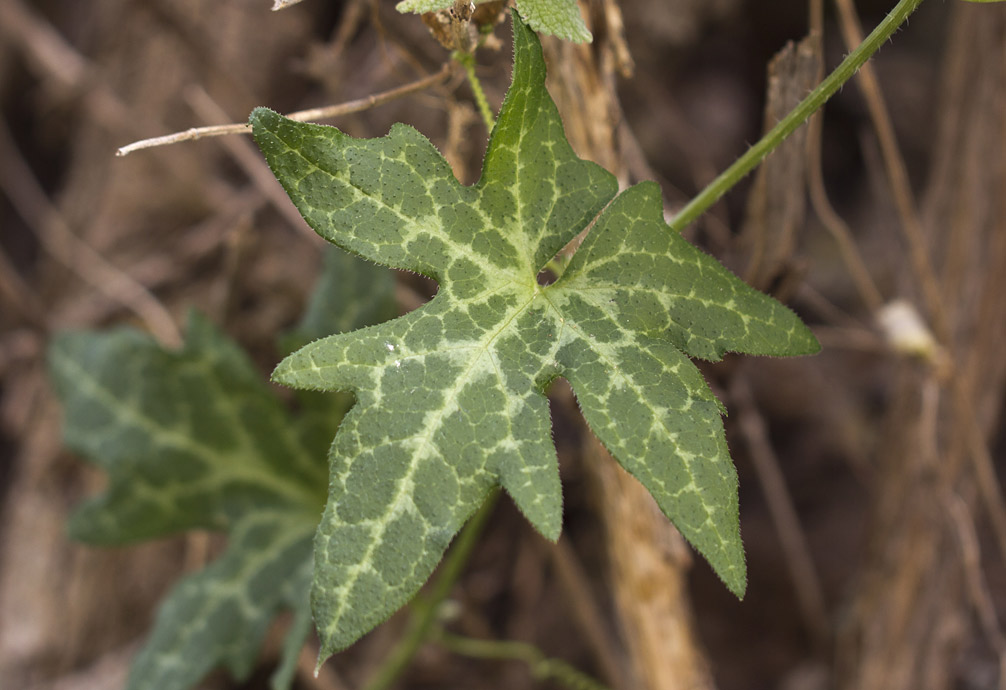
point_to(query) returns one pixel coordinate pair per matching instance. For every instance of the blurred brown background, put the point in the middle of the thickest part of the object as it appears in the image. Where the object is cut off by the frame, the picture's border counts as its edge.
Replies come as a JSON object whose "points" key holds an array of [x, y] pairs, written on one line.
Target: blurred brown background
{"points": [[871, 512]]}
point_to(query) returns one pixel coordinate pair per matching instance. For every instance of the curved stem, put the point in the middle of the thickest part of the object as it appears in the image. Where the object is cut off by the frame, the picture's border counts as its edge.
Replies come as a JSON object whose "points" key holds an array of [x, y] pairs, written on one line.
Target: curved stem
{"points": [[467, 61], [542, 667], [424, 609], [817, 98]]}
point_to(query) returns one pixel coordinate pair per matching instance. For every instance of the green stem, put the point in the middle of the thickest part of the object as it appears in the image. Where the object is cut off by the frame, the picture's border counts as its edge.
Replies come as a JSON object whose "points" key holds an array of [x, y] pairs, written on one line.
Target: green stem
{"points": [[424, 609], [467, 61], [817, 98], [542, 667]]}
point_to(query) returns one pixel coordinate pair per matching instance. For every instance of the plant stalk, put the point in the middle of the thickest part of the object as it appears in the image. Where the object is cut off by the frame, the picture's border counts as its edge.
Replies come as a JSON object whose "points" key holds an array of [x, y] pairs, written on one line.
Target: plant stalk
{"points": [[789, 124], [467, 60], [541, 667]]}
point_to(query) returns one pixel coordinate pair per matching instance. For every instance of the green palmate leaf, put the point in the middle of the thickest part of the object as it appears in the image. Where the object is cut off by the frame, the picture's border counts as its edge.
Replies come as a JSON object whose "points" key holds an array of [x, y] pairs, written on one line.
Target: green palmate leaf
{"points": [[450, 396], [560, 18], [196, 439], [191, 439], [222, 614]]}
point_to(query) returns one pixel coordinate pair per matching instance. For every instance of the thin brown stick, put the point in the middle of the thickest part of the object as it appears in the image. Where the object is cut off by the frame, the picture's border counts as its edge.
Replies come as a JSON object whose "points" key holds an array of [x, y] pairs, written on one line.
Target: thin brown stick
{"points": [[897, 173], [323, 113], [826, 213], [57, 62], [978, 589], [850, 339], [18, 294], [830, 313], [584, 609], [243, 153], [982, 464], [31, 203], [325, 63], [925, 274], [16, 346], [806, 583], [162, 269], [836, 227], [815, 23]]}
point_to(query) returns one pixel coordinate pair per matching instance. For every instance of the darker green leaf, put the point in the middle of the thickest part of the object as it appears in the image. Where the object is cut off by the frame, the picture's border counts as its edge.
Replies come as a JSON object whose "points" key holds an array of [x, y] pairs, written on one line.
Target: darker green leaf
{"points": [[197, 439]]}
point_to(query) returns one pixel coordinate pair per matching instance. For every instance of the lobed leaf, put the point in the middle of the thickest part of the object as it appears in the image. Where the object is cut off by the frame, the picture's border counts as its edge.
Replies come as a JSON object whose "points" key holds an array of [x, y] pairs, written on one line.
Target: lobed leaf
{"points": [[196, 438], [222, 614], [190, 439], [451, 396]]}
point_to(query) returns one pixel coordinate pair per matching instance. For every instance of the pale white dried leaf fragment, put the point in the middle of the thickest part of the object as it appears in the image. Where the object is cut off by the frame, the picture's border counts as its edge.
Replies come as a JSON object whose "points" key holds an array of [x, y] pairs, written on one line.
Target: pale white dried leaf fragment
{"points": [[905, 330], [283, 4]]}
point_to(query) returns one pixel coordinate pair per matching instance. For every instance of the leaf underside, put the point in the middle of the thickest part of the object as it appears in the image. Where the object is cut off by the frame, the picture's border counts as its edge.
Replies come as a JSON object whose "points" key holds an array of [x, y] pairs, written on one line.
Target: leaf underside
{"points": [[559, 18], [196, 439], [451, 396]]}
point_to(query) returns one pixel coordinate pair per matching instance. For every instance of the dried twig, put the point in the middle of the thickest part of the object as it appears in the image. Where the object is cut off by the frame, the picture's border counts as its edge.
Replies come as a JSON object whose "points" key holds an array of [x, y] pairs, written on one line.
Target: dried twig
{"points": [[18, 294], [326, 112], [60, 65], [806, 583], [911, 224], [584, 609], [836, 227], [30, 201], [982, 463], [978, 589], [826, 213], [897, 173], [243, 153]]}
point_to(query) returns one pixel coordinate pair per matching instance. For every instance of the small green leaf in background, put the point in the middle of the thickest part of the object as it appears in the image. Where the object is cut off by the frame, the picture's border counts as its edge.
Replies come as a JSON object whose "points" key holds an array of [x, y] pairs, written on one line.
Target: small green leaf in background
{"points": [[196, 439], [559, 18], [451, 396]]}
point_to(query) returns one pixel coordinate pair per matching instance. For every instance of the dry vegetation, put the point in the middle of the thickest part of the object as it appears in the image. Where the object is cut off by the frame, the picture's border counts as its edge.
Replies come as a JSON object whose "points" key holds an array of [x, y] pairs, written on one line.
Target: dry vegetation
{"points": [[872, 516]]}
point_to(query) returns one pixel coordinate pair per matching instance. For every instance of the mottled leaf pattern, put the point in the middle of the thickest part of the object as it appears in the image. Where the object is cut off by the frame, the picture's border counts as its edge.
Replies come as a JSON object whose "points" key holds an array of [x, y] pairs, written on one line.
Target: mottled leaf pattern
{"points": [[560, 18], [190, 439], [196, 439], [451, 396]]}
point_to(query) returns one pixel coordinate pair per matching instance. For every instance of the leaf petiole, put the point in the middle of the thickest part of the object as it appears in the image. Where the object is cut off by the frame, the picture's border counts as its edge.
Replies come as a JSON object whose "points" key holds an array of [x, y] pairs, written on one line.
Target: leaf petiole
{"points": [[542, 667], [789, 124], [467, 60]]}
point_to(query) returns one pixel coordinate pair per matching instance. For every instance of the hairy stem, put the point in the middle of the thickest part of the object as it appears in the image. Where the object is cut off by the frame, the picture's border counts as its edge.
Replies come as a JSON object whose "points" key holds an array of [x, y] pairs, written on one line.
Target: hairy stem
{"points": [[542, 667], [467, 60], [817, 98]]}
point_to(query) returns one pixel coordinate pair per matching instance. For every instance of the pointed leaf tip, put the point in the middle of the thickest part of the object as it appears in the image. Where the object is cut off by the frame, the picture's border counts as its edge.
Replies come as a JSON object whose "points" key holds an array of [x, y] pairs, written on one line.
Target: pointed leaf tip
{"points": [[194, 436]]}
